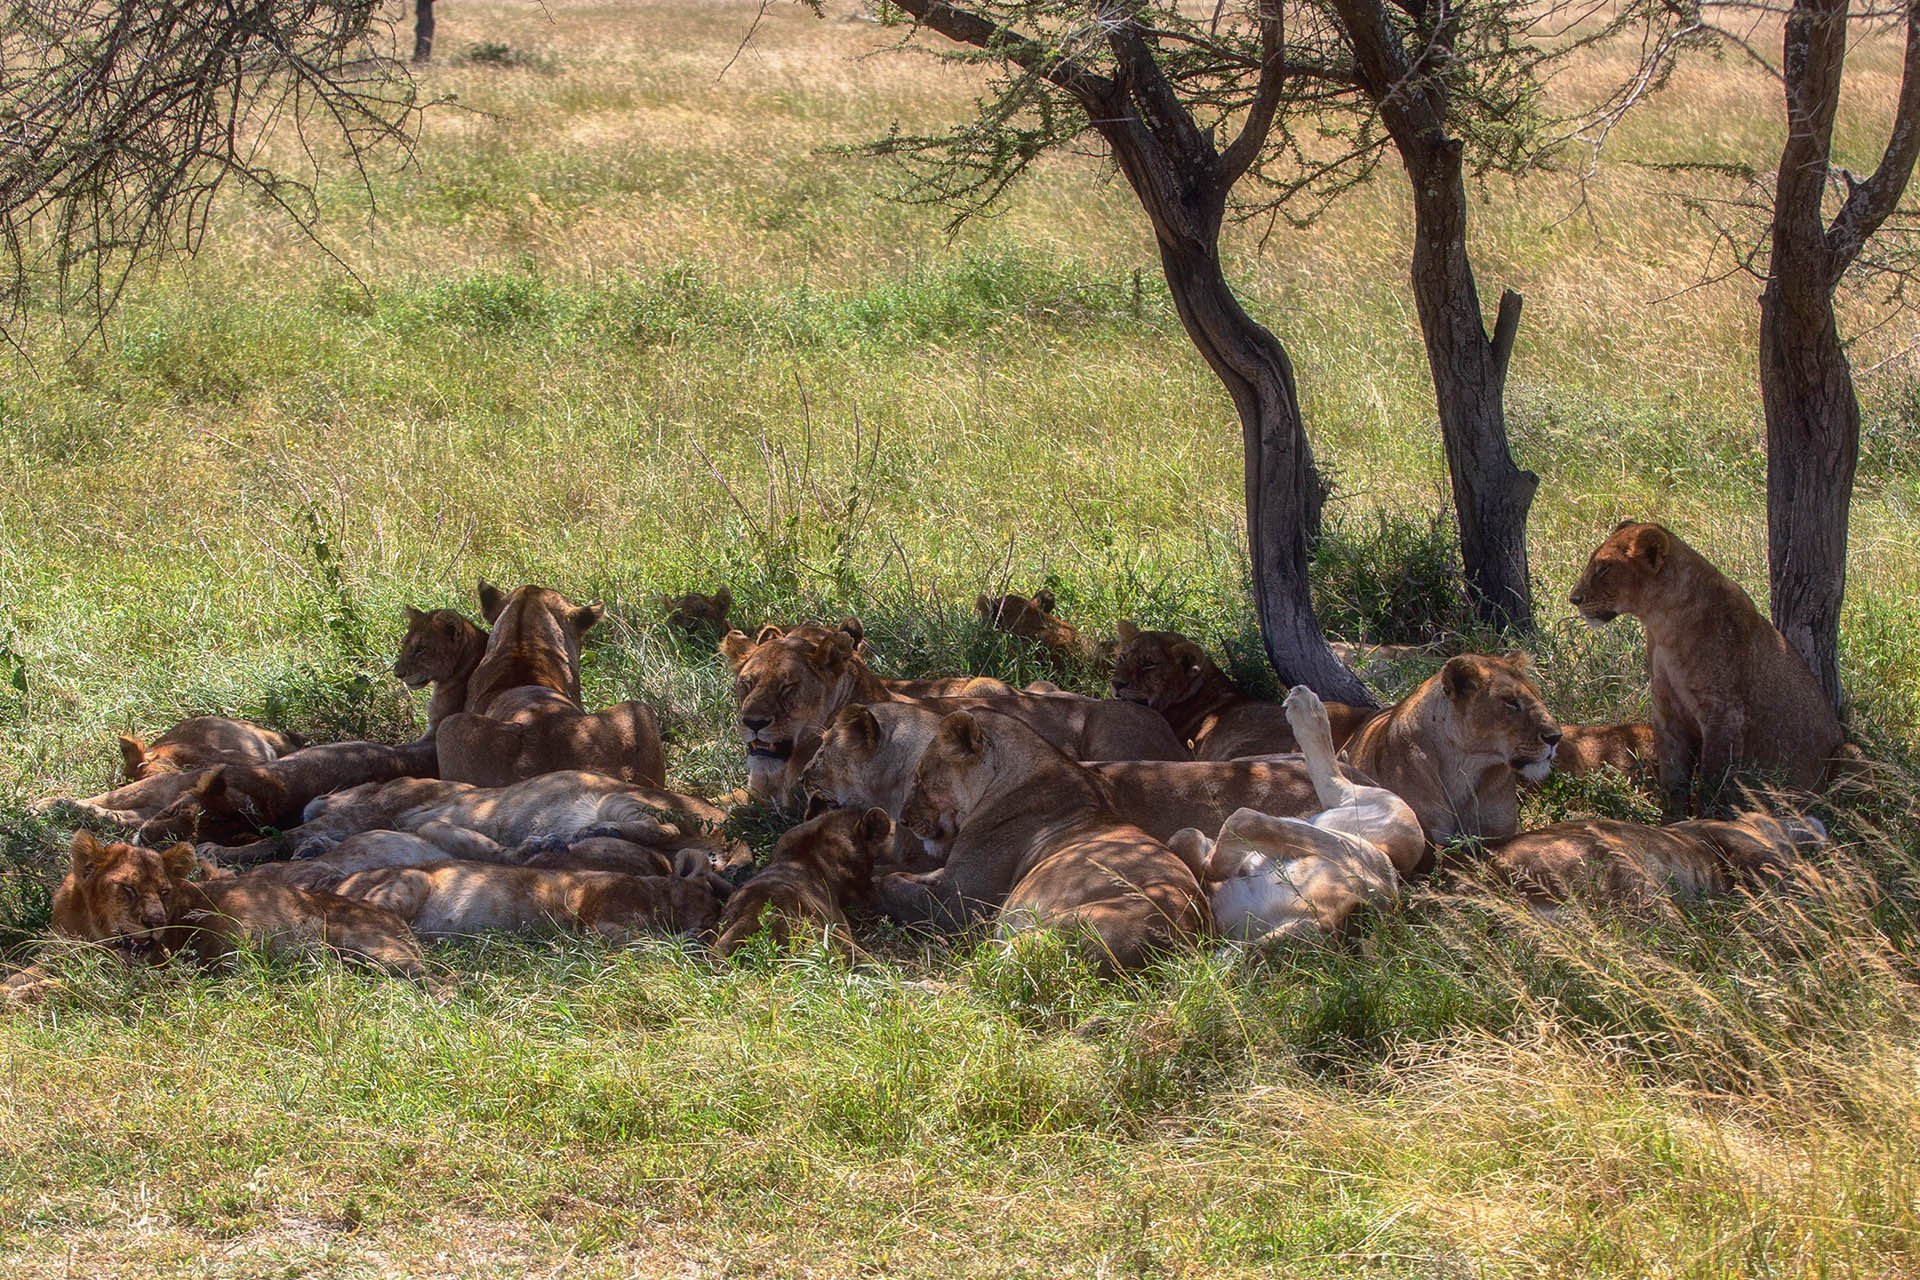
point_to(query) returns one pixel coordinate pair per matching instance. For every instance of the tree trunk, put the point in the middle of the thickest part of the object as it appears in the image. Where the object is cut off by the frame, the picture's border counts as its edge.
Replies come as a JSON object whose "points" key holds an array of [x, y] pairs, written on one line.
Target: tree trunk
{"points": [[423, 31], [1813, 447], [1491, 496]]}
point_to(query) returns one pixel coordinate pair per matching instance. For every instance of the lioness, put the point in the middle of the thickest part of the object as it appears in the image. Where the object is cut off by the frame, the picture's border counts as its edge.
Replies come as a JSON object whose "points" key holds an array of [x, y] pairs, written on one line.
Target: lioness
{"points": [[869, 753], [523, 715], [1033, 837], [200, 743], [814, 870], [790, 686], [143, 905], [371, 806], [229, 801], [1457, 747], [1033, 620], [1171, 674], [698, 616], [442, 649], [903, 687], [1729, 692], [461, 899], [366, 851], [1589, 748], [487, 824], [1626, 864]]}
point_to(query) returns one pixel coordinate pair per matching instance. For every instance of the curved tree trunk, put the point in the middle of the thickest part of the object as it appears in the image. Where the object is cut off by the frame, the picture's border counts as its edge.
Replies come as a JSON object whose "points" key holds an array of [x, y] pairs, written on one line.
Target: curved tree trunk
{"points": [[1490, 494]]}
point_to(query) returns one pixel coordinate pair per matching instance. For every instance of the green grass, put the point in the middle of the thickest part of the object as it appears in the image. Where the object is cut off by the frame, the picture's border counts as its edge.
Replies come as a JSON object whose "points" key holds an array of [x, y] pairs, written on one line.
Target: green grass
{"points": [[631, 328]]}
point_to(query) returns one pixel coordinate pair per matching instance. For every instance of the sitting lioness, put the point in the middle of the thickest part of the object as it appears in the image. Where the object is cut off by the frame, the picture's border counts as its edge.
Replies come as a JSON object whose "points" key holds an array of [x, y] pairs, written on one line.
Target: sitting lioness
{"points": [[459, 899], [1171, 674], [145, 905], [1625, 864], [442, 649], [790, 686], [1729, 692], [1032, 837], [869, 753], [1458, 746], [814, 871], [201, 743], [523, 715]]}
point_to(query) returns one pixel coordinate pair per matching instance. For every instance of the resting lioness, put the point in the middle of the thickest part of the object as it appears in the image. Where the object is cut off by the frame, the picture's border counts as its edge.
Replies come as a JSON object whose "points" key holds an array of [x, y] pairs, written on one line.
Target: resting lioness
{"points": [[487, 824], [869, 753], [698, 616], [813, 872], [202, 742], [367, 851], [1627, 864], [1458, 746], [523, 715], [1032, 837], [230, 801], [1173, 675], [1588, 748], [460, 899], [790, 686], [442, 649], [901, 687], [1729, 692], [1033, 620], [145, 905]]}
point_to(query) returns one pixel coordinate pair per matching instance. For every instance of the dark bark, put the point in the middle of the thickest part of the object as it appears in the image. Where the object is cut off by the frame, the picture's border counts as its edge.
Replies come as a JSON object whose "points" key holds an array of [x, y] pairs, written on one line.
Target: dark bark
{"points": [[1491, 496], [423, 30], [1806, 381], [1182, 182]]}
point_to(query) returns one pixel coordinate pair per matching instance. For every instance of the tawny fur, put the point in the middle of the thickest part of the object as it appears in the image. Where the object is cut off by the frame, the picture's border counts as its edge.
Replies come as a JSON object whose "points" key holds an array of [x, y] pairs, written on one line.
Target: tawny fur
{"points": [[200, 743], [814, 871], [442, 649]]}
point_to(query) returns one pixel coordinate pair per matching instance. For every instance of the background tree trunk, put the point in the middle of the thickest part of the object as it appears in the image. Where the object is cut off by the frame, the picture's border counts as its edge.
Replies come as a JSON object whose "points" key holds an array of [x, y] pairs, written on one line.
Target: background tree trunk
{"points": [[422, 30], [1491, 495]]}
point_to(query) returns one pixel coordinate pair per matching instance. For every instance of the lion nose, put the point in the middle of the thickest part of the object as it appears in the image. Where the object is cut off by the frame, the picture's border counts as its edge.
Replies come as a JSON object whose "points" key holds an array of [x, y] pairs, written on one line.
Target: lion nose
{"points": [[1551, 737], [756, 723], [1576, 599]]}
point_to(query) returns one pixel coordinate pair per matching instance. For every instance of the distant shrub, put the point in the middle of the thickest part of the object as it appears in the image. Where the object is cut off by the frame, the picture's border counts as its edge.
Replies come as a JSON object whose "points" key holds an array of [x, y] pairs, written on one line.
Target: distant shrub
{"points": [[1389, 578], [504, 57], [487, 302]]}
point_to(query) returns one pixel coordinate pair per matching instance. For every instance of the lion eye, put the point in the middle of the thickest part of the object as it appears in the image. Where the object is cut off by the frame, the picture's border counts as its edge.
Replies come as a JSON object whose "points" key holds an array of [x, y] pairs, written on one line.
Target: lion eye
{"points": [[1513, 704]]}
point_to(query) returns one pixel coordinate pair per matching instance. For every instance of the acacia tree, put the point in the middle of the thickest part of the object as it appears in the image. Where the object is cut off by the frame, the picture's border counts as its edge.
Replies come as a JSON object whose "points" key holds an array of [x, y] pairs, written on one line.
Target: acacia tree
{"points": [[1313, 94], [121, 120], [1806, 381]]}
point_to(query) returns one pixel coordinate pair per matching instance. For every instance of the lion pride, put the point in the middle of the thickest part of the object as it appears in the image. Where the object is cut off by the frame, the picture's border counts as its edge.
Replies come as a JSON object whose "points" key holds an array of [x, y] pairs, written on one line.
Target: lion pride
{"points": [[1033, 840], [1457, 746], [523, 715], [1171, 674], [1729, 693]]}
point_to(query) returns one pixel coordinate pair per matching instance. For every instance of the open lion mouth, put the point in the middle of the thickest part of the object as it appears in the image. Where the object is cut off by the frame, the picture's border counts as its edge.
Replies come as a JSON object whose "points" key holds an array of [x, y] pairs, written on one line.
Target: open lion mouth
{"points": [[134, 948], [770, 750]]}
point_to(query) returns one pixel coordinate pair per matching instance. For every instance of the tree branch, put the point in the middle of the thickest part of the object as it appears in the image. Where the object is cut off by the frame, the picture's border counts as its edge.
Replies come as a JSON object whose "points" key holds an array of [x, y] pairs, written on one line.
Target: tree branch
{"points": [[964, 26], [1245, 149], [1871, 202]]}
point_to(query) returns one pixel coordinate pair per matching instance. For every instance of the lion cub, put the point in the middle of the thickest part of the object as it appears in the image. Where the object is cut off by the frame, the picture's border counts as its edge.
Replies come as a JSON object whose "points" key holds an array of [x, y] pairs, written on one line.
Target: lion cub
{"points": [[1729, 692], [442, 649], [698, 616], [202, 742], [1171, 674], [815, 870], [145, 905], [1034, 620], [463, 898]]}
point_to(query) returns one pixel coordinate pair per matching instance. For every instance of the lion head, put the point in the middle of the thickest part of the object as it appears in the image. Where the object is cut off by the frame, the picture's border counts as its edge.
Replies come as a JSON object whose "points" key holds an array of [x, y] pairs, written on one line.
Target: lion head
{"points": [[121, 896], [1496, 713], [1159, 669], [536, 640], [1621, 572], [698, 615], [1758, 846], [952, 777], [442, 645], [788, 687], [841, 844]]}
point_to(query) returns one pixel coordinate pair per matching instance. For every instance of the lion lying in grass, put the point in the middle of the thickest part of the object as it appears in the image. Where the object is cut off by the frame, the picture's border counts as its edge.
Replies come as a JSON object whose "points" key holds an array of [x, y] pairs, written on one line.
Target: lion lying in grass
{"points": [[813, 872], [202, 742]]}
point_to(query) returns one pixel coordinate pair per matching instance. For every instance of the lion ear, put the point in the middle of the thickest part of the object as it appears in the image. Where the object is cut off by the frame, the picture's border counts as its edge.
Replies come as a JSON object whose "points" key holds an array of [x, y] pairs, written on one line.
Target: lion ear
{"points": [[87, 851], [1127, 632], [769, 632], [1192, 657], [179, 862], [133, 754], [734, 647], [1521, 660], [874, 826], [851, 626], [689, 862], [450, 627], [492, 601], [1043, 600], [859, 724], [983, 607], [962, 734], [1651, 545], [1460, 677], [583, 618], [834, 652], [212, 783], [414, 616], [722, 600]]}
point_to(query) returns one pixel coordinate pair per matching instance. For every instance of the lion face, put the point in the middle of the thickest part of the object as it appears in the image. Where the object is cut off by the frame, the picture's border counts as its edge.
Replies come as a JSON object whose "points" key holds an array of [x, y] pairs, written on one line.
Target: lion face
{"points": [[1497, 713], [787, 688], [1158, 669], [1030, 619], [441, 645], [842, 843], [949, 782], [1620, 572], [696, 614], [121, 896], [846, 750]]}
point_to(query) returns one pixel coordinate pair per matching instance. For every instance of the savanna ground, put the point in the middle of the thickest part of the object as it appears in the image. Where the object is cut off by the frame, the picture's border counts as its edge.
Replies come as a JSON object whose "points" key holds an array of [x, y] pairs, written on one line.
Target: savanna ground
{"points": [[616, 278]]}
